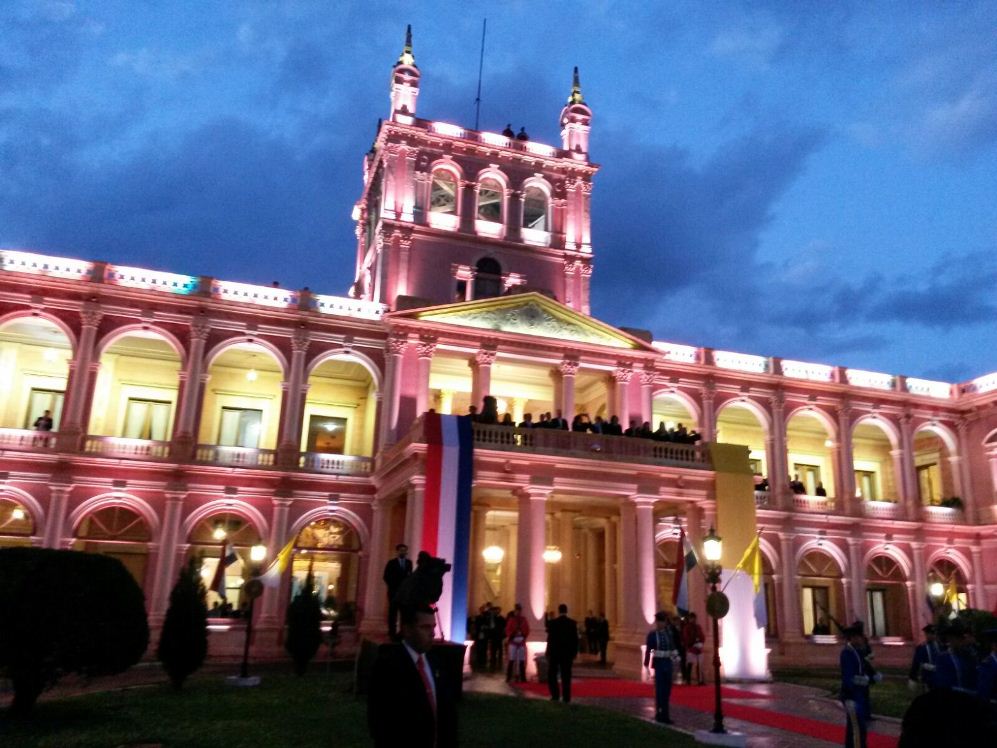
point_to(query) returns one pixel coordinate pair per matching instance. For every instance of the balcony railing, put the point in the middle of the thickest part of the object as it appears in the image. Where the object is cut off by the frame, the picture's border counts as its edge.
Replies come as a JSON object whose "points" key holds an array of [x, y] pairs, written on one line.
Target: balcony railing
{"points": [[813, 504], [763, 499], [598, 446], [214, 454], [28, 439], [320, 462], [115, 446], [943, 515], [882, 509]]}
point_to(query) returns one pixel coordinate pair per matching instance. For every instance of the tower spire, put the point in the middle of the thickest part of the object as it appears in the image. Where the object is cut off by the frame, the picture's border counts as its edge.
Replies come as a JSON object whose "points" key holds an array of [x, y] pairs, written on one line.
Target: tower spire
{"points": [[576, 89], [406, 57]]}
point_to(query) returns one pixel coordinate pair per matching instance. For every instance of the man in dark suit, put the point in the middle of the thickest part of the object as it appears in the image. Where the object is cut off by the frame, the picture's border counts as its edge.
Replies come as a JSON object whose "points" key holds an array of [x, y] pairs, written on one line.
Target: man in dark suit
{"points": [[562, 648], [395, 572], [412, 702]]}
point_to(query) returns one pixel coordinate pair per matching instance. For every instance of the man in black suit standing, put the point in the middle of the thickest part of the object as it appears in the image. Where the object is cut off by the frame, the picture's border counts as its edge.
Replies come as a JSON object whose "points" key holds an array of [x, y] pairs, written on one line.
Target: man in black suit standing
{"points": [[411, 701], [562, 648], [395, 572]]}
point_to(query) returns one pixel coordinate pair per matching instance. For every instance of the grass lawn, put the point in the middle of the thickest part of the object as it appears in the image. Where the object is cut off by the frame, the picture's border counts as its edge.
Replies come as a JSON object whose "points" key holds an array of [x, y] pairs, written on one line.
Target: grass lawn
{"points": [[317, 710], [889, 698]]}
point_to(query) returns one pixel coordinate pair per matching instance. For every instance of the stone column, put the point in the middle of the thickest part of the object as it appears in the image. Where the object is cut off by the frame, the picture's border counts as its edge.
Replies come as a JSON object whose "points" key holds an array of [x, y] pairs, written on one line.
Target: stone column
{"points": [[571, 291], [628, 583], [514, 219], [964, 487], [920, 581], [375, 602], [708, 427], [620, 393], [906, 501], [694, 528], [907, 477], [912, 606], [294, 400], [55, 519], [790, 594], [426, 348], [585, 280], [479, 525], [610, 571], [481, 375], [414, 504], [646, 592], [846, 461], [185, 437], [978, 600], [166, 570], [856, 575], [566, 589], [467, 206], [280, 511], [777, 459], [392, 389], [590, 559], [82, 376], [648, 375], [530, 545], [569, 368]]}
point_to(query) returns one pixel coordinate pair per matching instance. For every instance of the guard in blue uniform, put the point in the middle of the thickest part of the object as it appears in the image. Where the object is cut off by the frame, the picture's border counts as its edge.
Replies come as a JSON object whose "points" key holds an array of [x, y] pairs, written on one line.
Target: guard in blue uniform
{"points": [[855, 681], [922, 667], [660, 648], [956, 669]]}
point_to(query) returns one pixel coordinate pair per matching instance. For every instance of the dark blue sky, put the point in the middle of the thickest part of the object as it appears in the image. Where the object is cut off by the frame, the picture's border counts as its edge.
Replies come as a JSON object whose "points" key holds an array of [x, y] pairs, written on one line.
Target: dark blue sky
{"points": [[806, 179]]}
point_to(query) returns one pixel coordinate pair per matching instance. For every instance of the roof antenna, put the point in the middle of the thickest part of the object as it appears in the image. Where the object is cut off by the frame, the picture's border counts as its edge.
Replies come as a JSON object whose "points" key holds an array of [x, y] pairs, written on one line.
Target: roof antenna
{"points": [[481, 65]]}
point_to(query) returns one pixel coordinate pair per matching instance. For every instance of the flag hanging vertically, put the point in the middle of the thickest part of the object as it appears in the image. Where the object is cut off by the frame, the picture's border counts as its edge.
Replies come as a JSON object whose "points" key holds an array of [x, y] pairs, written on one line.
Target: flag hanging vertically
{"points": [[446, 519], [225, 560], [751, 564], [684, 563], [272, 576]]}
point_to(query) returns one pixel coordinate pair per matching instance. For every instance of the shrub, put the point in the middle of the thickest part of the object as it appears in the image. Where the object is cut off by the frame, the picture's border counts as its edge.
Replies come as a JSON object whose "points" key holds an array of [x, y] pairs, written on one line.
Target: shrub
{"points": [[66, 612], [183, 643], [304, 626]]}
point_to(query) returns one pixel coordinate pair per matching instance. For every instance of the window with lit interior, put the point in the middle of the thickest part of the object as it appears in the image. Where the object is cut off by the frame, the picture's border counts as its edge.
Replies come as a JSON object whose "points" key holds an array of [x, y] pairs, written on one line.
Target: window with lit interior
{"points": [[490, 201], [535, 209], [443, 193]]}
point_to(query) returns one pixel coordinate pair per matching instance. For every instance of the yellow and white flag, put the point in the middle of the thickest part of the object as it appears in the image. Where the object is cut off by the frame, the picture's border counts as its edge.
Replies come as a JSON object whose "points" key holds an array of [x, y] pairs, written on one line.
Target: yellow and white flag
{"points": [[751, 564], [272, 576]]}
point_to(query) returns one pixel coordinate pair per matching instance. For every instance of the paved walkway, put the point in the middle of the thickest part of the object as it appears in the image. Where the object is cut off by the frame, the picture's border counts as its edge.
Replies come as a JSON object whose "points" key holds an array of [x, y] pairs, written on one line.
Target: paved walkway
{"points": [[781, 698]]}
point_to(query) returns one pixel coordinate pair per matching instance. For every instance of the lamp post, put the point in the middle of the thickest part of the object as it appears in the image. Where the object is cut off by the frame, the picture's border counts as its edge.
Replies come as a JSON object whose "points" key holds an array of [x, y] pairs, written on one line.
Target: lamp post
{"points": [[251, 589], [717, 606]]}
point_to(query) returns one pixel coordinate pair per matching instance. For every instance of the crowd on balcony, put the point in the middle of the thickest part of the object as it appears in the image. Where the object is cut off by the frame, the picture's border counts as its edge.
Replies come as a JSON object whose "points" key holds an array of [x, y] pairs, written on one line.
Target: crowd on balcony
{"points": [[583, 423]]}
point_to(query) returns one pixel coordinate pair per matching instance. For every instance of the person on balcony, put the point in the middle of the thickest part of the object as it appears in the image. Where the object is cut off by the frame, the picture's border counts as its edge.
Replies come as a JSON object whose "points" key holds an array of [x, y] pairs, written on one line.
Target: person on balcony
{"points": [[580, 423], [598, 426], [507, 420], [544, 422], [820, 490], [633, 429], [558, 422], [796, 485], [489, 410], [661, 434], [681, 434], [527, 422], [613, 428], [645, 431], [44, 421]]}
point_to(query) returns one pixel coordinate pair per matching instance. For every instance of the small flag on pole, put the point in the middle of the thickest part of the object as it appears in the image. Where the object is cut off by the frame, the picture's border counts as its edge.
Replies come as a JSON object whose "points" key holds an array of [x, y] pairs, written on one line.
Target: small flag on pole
{"points": [[684, 564], [272, 576], [227, 558], [751, 564]]}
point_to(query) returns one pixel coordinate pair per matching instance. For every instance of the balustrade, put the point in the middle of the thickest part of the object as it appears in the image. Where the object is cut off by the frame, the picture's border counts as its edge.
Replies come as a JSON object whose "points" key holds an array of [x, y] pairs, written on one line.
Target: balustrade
{"points": [[882, 509], [28, 439], [942, 515], [812, 504], [115, 446]]}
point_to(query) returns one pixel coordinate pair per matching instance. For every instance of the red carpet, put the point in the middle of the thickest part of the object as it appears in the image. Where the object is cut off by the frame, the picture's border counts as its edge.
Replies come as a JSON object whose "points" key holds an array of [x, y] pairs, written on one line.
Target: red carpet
{"points": [[701, 699]]}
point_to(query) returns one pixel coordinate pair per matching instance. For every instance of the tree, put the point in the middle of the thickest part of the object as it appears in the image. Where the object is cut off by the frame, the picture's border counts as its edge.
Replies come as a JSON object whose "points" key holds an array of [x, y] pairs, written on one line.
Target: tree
{"points": [[183, 643], [66, 612], [304, 626]]}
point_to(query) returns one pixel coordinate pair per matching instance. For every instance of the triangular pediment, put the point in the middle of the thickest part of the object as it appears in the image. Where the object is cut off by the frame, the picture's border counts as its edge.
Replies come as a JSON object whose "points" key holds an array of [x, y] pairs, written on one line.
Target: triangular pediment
{"points": [[527, 314]]}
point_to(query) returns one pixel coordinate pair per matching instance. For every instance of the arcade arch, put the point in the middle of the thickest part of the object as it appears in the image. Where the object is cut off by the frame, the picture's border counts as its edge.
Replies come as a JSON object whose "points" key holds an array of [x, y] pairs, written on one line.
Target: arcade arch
{"points": [[742, 422], [118, 531], [821, 591], [810, 451], [17, 523], [210, 533], [340, 408], [673, 408], [953, 580], [34, 369], [937, 478], [329, 549], [872, 460], [136, 392], [887, 608], [242, 397]]}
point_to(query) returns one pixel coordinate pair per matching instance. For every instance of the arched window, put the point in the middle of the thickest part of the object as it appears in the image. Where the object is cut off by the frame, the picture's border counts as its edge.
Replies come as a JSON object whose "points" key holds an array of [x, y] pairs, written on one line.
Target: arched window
{"points": [[205, 542], [329, 549], [118, 532], [490, 200], [487, 278], [16, 524], [443, 193], [535, 209]]}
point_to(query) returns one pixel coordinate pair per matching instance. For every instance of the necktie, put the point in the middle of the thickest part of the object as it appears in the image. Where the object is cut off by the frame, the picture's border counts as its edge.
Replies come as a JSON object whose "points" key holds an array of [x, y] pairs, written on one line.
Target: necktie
{"points": [[421, 667]]}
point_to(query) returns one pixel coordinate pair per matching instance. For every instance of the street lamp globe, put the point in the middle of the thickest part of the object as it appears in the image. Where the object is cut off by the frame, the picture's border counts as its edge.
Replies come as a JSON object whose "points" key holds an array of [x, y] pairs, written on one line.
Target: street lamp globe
{"points": [[493, 554], [552, 555], [257, 553], [712, 546], [936, 589]]}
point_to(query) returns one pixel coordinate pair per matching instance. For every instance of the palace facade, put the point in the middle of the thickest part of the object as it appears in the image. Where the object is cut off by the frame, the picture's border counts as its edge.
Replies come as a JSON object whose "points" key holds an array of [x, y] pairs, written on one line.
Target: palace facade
{"points": [[189, 410]]}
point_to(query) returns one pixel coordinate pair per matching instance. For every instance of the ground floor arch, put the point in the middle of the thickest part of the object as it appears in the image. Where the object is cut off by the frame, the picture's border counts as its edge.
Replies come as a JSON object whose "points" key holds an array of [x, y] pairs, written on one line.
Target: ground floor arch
{"points": [[821, 592], [17, 522], [329, 548], [227, 532], [886, 598], [118, 531]]}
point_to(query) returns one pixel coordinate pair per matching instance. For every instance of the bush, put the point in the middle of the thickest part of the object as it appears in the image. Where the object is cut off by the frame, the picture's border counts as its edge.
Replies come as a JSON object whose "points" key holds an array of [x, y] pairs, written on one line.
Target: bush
{"points": [[66, 612], [304, 626], [183, 643]]}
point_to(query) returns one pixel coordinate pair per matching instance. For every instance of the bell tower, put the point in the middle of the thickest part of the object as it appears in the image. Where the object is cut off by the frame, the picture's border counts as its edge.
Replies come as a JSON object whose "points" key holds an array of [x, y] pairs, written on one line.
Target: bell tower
{"points": [[405, 77]]}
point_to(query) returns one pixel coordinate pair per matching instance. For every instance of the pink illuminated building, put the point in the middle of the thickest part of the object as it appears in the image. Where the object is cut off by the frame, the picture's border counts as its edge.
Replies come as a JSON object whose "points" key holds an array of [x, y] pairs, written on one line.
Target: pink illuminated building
{"points": [[190, 409]]}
